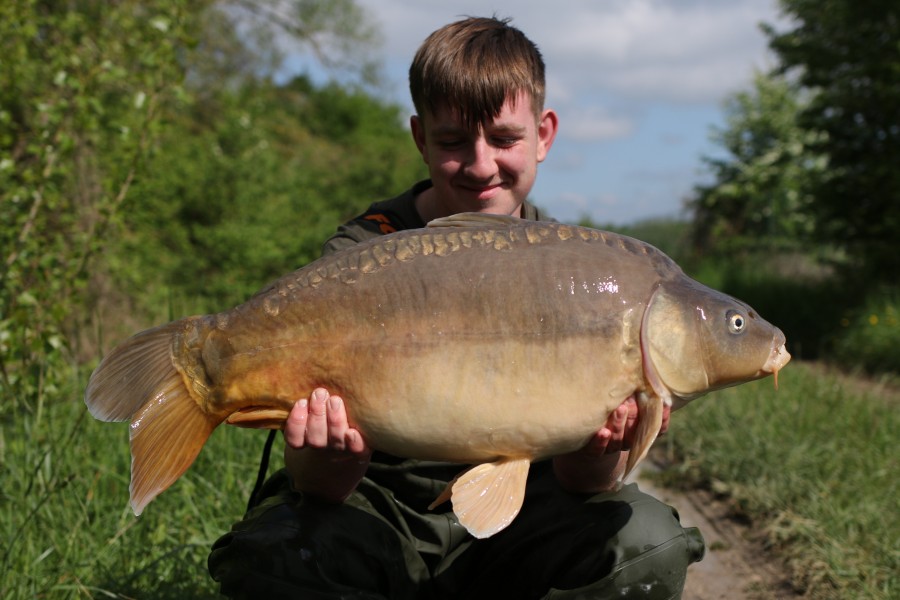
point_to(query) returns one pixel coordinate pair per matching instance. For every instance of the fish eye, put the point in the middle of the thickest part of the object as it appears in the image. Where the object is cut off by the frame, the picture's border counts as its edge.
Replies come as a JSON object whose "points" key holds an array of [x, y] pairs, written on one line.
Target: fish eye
{"points": [[736, 321]]}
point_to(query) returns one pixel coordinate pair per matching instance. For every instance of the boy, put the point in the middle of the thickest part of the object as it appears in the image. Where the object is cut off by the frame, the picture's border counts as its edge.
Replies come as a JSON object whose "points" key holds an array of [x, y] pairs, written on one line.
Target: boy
{"points": [[343, 522]]}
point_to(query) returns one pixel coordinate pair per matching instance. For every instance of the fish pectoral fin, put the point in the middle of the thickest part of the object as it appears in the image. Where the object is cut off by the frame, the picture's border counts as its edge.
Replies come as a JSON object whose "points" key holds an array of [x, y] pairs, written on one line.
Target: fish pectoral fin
{"points": [[650, 414], [487, 497], [258, 417]]}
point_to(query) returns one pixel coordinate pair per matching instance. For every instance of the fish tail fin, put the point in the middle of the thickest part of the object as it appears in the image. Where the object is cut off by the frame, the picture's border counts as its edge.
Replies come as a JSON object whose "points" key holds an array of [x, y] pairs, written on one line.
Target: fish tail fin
{"points": [[650, 415], [138, 381]]}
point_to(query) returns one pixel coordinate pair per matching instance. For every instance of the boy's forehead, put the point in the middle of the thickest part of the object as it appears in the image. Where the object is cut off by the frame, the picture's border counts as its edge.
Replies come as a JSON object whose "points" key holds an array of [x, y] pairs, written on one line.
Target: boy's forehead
{"points": [[515, 112]]}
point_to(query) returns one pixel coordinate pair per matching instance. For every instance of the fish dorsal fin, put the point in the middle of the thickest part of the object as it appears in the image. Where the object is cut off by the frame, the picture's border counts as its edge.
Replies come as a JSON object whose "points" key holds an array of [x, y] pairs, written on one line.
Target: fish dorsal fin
{"points": [[474, 219], [487, 497]]}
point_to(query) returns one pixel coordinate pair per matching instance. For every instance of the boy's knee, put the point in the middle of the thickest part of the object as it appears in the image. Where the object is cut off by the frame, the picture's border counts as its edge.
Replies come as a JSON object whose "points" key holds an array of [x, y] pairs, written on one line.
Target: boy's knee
{"points": [[655, 528], [652, 552]]}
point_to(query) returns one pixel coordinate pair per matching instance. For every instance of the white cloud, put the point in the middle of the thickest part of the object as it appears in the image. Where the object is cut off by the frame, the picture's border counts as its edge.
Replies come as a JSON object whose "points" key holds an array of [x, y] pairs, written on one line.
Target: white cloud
{"points": [[649, 50], [594, 124], [645, 50]]}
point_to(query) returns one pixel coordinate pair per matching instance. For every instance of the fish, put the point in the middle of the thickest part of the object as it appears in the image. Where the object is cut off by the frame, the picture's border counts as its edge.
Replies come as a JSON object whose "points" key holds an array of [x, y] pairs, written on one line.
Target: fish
{"points": [[484, 340]]}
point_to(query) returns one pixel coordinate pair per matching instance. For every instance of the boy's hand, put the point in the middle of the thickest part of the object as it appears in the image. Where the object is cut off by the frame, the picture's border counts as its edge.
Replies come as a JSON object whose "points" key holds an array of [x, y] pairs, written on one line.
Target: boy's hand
{"points": [[618, 433], [598, 465], [324, 456], [321, 422]]}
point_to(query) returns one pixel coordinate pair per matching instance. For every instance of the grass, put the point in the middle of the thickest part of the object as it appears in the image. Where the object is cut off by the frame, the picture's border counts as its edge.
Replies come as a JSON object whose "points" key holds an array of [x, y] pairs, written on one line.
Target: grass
{"points": [[66, 530], [814, 467]]}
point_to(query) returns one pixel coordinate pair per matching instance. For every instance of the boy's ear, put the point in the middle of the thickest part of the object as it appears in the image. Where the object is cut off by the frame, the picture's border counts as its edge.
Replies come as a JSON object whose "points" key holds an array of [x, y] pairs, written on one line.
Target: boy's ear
{"points": [[417, 127], [546, 130]]}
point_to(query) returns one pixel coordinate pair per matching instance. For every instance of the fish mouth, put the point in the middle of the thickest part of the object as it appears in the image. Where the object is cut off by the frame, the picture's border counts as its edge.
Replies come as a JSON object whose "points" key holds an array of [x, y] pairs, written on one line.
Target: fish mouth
{"points": [[778, 357]]}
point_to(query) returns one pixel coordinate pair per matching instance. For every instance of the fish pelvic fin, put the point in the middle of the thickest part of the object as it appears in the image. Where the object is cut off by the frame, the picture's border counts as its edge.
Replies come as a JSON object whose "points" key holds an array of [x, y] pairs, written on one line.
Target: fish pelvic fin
{"points": [[487, 497], [256, 417], [650, 415], [138, 381]]}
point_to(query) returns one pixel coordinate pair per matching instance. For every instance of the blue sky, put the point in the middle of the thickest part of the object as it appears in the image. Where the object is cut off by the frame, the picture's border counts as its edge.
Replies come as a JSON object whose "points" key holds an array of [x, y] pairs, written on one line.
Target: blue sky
{"points": [[638, 86]]}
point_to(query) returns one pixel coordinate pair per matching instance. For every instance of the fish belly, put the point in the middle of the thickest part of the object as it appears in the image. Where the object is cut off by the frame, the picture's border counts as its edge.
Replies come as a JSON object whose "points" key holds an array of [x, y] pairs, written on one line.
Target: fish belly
{"points": [[474, 402]]}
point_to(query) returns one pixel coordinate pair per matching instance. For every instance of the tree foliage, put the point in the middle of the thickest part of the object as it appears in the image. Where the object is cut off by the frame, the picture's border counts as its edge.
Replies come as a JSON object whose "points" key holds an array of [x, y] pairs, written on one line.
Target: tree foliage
{"points": [[251, 195], [761, 188], [150, 165], [338, 33], [82, 87], [813, 149], [847, 53]]}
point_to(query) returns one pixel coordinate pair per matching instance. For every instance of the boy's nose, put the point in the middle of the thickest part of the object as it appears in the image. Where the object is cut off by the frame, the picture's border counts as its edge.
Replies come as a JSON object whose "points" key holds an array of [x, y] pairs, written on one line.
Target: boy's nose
{"points": [[480, 163]]}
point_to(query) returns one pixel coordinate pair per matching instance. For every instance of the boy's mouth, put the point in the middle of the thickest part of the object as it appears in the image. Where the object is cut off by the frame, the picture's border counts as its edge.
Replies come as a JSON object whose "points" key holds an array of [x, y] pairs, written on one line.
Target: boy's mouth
{"points": [[483, 192]]}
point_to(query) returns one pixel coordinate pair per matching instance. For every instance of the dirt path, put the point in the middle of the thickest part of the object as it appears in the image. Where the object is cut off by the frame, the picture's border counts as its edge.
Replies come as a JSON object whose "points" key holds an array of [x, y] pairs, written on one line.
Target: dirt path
{"points": [[734, 567]]}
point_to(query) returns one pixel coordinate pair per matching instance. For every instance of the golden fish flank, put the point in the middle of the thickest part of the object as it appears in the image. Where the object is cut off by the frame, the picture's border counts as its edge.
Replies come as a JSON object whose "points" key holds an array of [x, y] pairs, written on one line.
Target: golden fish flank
{"points": [[515, 339]]}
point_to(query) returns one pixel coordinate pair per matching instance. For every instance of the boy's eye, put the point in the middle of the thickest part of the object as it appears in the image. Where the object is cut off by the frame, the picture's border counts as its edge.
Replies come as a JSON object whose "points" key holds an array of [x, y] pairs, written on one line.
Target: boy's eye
{"points": [[450, 143], [505, 142]]}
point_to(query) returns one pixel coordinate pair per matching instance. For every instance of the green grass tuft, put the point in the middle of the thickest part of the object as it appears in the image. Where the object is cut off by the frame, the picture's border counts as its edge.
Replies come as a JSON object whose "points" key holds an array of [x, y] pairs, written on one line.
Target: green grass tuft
{"points": [[814, 467], [66, 529]]}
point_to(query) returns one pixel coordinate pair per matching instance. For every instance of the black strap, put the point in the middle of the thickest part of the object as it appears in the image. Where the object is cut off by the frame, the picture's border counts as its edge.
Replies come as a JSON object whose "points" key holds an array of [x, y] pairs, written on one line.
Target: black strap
{"points": [[263, 470]]}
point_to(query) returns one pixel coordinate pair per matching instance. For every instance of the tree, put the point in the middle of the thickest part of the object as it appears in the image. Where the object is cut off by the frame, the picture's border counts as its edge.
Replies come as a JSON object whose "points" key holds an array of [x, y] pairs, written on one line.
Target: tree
{"points": [[89, 93], [145, 156], [240, 199], [760, 192], [81, 89], [847, 54]]}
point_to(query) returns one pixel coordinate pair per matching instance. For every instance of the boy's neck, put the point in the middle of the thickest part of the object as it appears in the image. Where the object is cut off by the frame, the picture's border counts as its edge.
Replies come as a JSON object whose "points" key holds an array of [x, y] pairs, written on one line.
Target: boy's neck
{"points": [[427, 206]]}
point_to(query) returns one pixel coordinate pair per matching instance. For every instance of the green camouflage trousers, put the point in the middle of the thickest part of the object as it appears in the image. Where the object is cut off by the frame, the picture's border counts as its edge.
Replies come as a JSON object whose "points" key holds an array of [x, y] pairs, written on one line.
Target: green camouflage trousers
{"points": [[622, 544]]}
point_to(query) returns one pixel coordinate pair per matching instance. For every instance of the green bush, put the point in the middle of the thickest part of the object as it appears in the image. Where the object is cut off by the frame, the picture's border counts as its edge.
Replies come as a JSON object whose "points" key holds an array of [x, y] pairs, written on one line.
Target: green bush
{"points": [[869, 335]]}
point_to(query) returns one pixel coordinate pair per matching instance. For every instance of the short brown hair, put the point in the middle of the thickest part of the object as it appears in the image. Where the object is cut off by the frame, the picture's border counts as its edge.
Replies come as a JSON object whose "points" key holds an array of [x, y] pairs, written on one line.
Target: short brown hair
{"points": [[472, 66]]}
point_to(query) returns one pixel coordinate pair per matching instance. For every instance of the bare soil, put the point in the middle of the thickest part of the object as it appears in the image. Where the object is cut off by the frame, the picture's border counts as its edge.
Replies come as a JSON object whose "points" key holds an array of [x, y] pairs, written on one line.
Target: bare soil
{"points": [[736, 565]]}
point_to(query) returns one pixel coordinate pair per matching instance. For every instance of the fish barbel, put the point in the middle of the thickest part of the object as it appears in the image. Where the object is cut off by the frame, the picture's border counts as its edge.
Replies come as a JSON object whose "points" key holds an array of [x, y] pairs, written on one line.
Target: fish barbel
{"points": [[483, 340]]}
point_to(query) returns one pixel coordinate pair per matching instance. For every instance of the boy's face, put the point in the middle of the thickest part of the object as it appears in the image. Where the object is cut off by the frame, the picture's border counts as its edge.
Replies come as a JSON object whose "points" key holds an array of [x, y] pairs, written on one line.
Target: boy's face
{"points": [[491, 169]]}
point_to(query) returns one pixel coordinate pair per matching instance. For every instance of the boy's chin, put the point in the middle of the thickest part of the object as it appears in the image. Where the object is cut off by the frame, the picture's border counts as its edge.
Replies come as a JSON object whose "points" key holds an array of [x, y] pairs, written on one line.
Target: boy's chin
{"points": [[499, 202]]}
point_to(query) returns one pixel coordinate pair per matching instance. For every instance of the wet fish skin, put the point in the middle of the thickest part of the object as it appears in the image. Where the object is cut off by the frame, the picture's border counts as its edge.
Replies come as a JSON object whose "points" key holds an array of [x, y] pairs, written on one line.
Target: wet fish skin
{"points": [[483, 340]]}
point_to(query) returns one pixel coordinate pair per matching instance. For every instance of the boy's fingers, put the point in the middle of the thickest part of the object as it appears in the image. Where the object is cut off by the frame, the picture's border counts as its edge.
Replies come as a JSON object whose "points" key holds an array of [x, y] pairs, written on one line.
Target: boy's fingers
{"points": [[600, 443], [356, 444], [317, 422], [295, 426], [337, 423]]}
